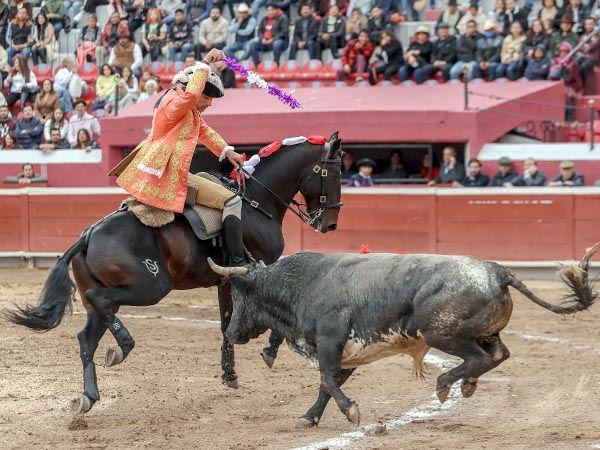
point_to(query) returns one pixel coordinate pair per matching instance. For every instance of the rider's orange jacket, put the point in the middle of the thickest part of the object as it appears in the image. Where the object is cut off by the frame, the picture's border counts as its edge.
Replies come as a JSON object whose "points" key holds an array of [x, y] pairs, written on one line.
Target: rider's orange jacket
{"points": [[157, 173]]}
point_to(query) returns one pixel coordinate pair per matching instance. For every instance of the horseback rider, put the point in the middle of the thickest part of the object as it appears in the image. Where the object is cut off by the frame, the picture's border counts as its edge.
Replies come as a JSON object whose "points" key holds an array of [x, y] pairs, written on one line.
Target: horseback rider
{"points": [[157, 171]]}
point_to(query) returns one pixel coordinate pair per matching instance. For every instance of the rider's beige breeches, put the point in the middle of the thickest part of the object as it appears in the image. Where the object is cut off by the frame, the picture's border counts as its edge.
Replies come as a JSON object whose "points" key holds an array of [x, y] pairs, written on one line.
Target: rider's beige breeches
{"points": [[209, 194]]}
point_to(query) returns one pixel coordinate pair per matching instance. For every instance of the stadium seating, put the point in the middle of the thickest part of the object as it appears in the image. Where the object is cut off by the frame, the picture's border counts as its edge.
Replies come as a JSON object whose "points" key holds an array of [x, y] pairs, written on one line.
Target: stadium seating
{"points": [[88, 73], [89, 96], [311, 70], [290, 70], [268, 70], [42, 72], [248, 65]]}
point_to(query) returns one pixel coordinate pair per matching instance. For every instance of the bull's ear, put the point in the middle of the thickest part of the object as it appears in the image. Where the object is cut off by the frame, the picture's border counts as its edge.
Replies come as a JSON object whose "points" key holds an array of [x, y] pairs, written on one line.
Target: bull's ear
{"points": [[242, 282]]}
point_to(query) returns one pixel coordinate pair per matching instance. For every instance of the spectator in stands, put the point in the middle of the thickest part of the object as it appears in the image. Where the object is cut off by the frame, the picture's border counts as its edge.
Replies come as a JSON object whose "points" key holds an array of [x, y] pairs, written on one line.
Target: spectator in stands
{"points": [[62, 78], [535, 36], [589, 53], [56, 142], [466, 52], [511, 55], [355, 56], [4, 67], [154, 35], [548, 13], [179, 37], [377, 24], [44, 46], [122, 96], [356, 22], [137, 10], [515, 13], [109, 37], [425, 169], [388, 56], [306, 33], [577, 11], [84, 141], [363, 5], [26, 176], [450, 16], [396, 168], [272, 35], [417, 56], [565, 34], [498, 16], [56, 122], [474, 178], [29, 129], [473, 13], [567, 176], [10, 142], [331, 33], [55, 13], [531, 176], [167, 9], [75, 4], [564, 67], [538, 67], [81, 119], [19, 36], [150, 89], [130, 82], [120, 7], [15, 5], [199, 10], [46, 101], [505, 173], [227, 76], [105, 86], [126, 54], [443, 55], [4, 11], [88, 41], [389, 9], [451, 169], [7, 124], [213, 33], [321, 8], [22, 83], [363, 177], [243, 30], [348, 165], [488, 52]]}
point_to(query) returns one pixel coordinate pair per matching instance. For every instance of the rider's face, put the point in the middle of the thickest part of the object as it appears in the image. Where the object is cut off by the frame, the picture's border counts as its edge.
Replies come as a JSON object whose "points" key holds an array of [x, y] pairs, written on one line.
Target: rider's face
{"points": [[203, 103]]}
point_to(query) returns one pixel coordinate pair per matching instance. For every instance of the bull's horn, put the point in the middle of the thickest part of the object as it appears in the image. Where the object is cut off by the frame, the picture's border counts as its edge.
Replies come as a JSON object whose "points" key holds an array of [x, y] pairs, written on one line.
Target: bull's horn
{"points": [[226, 271]]}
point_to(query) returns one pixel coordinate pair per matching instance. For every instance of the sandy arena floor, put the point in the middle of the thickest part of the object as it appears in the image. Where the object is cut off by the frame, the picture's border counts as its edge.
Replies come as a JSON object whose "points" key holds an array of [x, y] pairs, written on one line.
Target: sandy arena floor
{"points": [[168, 394]]}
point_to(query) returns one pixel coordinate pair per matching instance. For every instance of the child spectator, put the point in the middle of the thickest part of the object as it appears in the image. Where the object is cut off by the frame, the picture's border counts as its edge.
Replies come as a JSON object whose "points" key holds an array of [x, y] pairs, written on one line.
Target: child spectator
{"points": [[46, 101], [363, 177], [356, 56], [538, 67], [27, 176], [29, 129]]}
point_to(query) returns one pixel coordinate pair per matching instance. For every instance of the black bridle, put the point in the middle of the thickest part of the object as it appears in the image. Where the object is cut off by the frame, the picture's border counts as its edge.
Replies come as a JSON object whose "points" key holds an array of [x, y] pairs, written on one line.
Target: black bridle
{"points": [[308, 217]]}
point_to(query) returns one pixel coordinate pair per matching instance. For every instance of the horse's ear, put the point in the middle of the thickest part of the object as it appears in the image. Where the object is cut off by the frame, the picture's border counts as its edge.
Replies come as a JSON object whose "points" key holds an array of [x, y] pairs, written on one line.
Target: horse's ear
{"points": [[336, 144], [334, 136]]}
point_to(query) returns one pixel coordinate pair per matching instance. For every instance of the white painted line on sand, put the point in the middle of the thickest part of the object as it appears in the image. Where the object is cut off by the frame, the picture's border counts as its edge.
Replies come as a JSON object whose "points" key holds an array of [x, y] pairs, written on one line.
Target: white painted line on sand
{"points": [[427, 410], [172, 319], [565, 342]]}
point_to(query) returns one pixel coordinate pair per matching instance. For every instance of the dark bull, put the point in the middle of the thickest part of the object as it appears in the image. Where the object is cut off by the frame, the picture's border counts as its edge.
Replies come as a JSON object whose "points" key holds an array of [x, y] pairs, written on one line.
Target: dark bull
{"points": [[346, 310]]}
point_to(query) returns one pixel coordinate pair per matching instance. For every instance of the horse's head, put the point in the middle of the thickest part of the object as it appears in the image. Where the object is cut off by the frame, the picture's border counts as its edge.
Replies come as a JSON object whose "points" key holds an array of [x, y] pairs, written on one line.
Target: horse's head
{"points": [[321, 187]]}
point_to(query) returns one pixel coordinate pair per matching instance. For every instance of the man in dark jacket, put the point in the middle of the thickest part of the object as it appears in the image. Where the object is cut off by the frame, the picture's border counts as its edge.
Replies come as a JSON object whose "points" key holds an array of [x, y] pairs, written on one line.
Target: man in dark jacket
{"points": [[466, 51], [331, 32], [306, 33], [443, 56], [451, 169], [377, 24], [475, 178], [180, 37], [488, 51], [567, 176], [7, 124], [505, 173], [538, 66], [3, 22], [531, 175], [515, 13], [417, 56], [29, 129], [272, 35]]}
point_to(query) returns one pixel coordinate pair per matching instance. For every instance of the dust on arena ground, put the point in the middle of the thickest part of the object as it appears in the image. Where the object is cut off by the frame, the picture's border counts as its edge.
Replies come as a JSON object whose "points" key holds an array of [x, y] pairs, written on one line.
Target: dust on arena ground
{"points": [[168, 394]]}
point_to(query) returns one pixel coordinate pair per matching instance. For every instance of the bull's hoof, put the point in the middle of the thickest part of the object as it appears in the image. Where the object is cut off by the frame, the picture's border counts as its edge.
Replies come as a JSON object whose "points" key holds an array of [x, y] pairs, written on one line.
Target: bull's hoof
{"points": [[81, 405], [353, 414], [269, 360], [442, 394], [468, 387], [233, 383], [114, 356], [307, 422]]}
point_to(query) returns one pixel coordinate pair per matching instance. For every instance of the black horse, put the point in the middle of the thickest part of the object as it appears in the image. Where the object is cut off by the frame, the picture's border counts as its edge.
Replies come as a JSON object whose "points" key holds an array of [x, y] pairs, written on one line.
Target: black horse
{"points": [[119, 261]]}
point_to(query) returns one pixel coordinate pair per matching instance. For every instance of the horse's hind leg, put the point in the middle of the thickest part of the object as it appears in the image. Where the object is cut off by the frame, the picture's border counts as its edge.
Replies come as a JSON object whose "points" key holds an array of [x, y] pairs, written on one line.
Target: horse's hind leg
{"points": [[229, 377]]}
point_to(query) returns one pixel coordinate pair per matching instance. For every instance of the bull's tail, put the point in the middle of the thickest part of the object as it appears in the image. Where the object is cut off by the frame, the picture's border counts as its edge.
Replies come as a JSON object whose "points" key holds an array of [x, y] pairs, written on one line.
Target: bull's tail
{"points": [[56, 297], [581, 291]]}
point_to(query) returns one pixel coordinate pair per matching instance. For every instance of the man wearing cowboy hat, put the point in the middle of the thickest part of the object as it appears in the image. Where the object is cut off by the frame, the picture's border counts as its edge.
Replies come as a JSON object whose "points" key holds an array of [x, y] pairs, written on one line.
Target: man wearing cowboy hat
{"points": [[156, 172], [417, 56], [126, 54], [564, 34], [243, 29], [488, 51]]}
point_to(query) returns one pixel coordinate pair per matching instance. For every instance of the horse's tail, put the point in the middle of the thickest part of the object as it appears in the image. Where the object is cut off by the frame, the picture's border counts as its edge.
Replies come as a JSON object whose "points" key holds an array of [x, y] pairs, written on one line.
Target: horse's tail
{"points": [[581, 291], [56, 297]]}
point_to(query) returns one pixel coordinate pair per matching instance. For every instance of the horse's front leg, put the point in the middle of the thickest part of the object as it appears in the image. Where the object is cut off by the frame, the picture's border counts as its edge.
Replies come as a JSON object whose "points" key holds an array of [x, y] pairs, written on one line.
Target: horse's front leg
{"points": [[270, 353], [229, 376]]}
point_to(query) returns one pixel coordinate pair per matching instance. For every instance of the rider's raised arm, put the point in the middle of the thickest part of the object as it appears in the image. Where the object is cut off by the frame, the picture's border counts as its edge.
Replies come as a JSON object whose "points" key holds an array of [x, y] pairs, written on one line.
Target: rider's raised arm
{"points": [[182, 104]]}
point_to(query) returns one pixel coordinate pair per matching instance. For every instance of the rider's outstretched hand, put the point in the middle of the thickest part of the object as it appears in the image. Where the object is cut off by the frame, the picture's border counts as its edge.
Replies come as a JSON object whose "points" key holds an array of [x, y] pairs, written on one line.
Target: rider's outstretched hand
{"points": [[213, 56]]}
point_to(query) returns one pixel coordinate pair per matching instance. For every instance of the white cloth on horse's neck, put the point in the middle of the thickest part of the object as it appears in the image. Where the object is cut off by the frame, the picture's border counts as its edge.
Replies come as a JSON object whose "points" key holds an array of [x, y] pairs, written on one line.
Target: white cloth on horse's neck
{"points": [[250, 165], [294, 140]]}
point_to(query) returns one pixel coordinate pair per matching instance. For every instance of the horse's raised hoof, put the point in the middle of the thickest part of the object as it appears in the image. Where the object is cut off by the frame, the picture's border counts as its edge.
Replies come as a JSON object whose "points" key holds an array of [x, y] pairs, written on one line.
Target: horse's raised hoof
{"points": [[307, 422], [353, 414], [442, 394], [233, 384], [468, 387], [269, 360], [81, 405], [114, 356]]}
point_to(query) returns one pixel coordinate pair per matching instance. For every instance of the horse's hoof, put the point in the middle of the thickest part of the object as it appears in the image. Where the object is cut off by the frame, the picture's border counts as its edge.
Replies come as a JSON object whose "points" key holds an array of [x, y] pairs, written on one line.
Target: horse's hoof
{"points": [[442, 394], [353, 414], [269, 360], [468, 387], [233, 384], [81, 405], [114, 356], [306, 422]]}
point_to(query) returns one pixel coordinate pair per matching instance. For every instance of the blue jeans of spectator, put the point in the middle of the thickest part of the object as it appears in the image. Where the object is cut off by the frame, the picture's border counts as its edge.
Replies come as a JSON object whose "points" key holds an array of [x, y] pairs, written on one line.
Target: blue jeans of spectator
{"points": [[457, 69], [65, 99], [312, 47], [57, 24], [231, 49], [405, 72], [25, 52], [256, 5], [76, 5], [513, 70], [278, 46], [490, 72], [408, 8], [98, 103], [168, 20], [183, 51]]}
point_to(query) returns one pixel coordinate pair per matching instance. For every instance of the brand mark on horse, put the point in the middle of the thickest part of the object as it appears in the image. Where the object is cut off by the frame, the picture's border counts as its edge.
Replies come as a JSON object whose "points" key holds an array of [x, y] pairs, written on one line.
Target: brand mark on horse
{"points": [[151, 266]]}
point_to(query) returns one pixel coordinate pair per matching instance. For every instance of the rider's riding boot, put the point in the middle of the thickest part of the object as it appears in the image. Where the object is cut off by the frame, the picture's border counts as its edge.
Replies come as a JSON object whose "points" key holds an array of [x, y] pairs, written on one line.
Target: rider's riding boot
{"points": [[232, 232]]}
